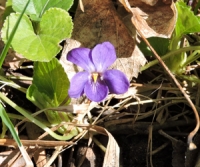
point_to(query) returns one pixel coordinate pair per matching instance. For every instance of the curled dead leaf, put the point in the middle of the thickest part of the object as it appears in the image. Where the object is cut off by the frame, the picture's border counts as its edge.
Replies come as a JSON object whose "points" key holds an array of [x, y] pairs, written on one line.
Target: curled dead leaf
{"points": [[111, 158], [69, 67], [157, 20]]}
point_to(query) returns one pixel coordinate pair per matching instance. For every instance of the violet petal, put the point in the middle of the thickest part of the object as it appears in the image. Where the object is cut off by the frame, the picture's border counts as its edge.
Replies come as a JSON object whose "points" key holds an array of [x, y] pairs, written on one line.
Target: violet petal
{"points": [[116, 81], [77, 84], [82, 58], [96, 91], [103, 55]]}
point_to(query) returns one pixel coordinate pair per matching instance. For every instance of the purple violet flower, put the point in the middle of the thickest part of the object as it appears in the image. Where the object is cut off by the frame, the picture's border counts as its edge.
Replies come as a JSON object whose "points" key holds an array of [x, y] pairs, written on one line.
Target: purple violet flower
{"points": [[97, 80]]}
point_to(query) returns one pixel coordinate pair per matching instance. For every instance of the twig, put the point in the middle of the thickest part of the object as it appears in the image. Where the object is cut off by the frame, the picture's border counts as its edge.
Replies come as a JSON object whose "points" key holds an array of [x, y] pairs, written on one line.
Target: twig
{"points": [[168, 136], [33, 143], [160, 148], [192, 146]]}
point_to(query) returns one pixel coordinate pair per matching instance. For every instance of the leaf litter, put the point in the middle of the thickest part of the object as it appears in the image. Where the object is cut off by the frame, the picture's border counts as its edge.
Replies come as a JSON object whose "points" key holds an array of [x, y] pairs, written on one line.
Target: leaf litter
{"points": [[103, 22], [152, 18], [91, 28]]}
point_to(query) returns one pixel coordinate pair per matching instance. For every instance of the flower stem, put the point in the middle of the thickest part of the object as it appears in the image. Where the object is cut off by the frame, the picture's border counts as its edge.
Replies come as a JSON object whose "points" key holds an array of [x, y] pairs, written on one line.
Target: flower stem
{"points": [[154, 62]]}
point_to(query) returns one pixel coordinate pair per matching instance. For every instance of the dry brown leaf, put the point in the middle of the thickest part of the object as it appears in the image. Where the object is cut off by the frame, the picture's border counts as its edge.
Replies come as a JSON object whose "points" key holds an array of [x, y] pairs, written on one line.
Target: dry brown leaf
{"points": [[131, 66], [112, 155], [87, 156], [150, 2], [69, 67], [13, 60], [13, 158], [40, 157], [158, 20], [111, 158], [10, 157], [98, 23]]}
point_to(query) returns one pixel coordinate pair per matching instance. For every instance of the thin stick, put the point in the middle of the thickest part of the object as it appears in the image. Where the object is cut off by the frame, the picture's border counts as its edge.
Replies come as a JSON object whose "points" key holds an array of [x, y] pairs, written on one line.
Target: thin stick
{"points": [[192, 146]]}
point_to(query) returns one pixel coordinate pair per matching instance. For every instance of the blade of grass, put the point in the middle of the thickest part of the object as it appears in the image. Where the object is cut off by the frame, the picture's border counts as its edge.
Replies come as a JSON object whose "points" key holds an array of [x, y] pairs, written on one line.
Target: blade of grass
{"points": [[191, 144], [34, 120], [7, 46], [8, 123]]}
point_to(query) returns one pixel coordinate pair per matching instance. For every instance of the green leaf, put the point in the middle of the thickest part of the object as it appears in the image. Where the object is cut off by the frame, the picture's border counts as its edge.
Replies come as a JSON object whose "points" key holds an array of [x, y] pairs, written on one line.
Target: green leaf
{"points": [[55, 25], [187, 22], [36, 8], [49, 89], [12, 33], [175, 63], [159, 44], [49, 80], [40, 99], [9, 124]]}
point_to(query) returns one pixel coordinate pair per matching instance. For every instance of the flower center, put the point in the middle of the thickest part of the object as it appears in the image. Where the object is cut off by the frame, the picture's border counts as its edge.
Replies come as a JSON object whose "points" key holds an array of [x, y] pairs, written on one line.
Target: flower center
{"points": [[95, 76]]}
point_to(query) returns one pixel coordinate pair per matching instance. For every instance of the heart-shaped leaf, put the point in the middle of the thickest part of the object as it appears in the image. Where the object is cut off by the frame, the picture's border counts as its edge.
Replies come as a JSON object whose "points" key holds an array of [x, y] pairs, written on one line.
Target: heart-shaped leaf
{"points": [[159, 44], [50, 89], [55, 25], [36, 8], [51, 80], [187, 22]]}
